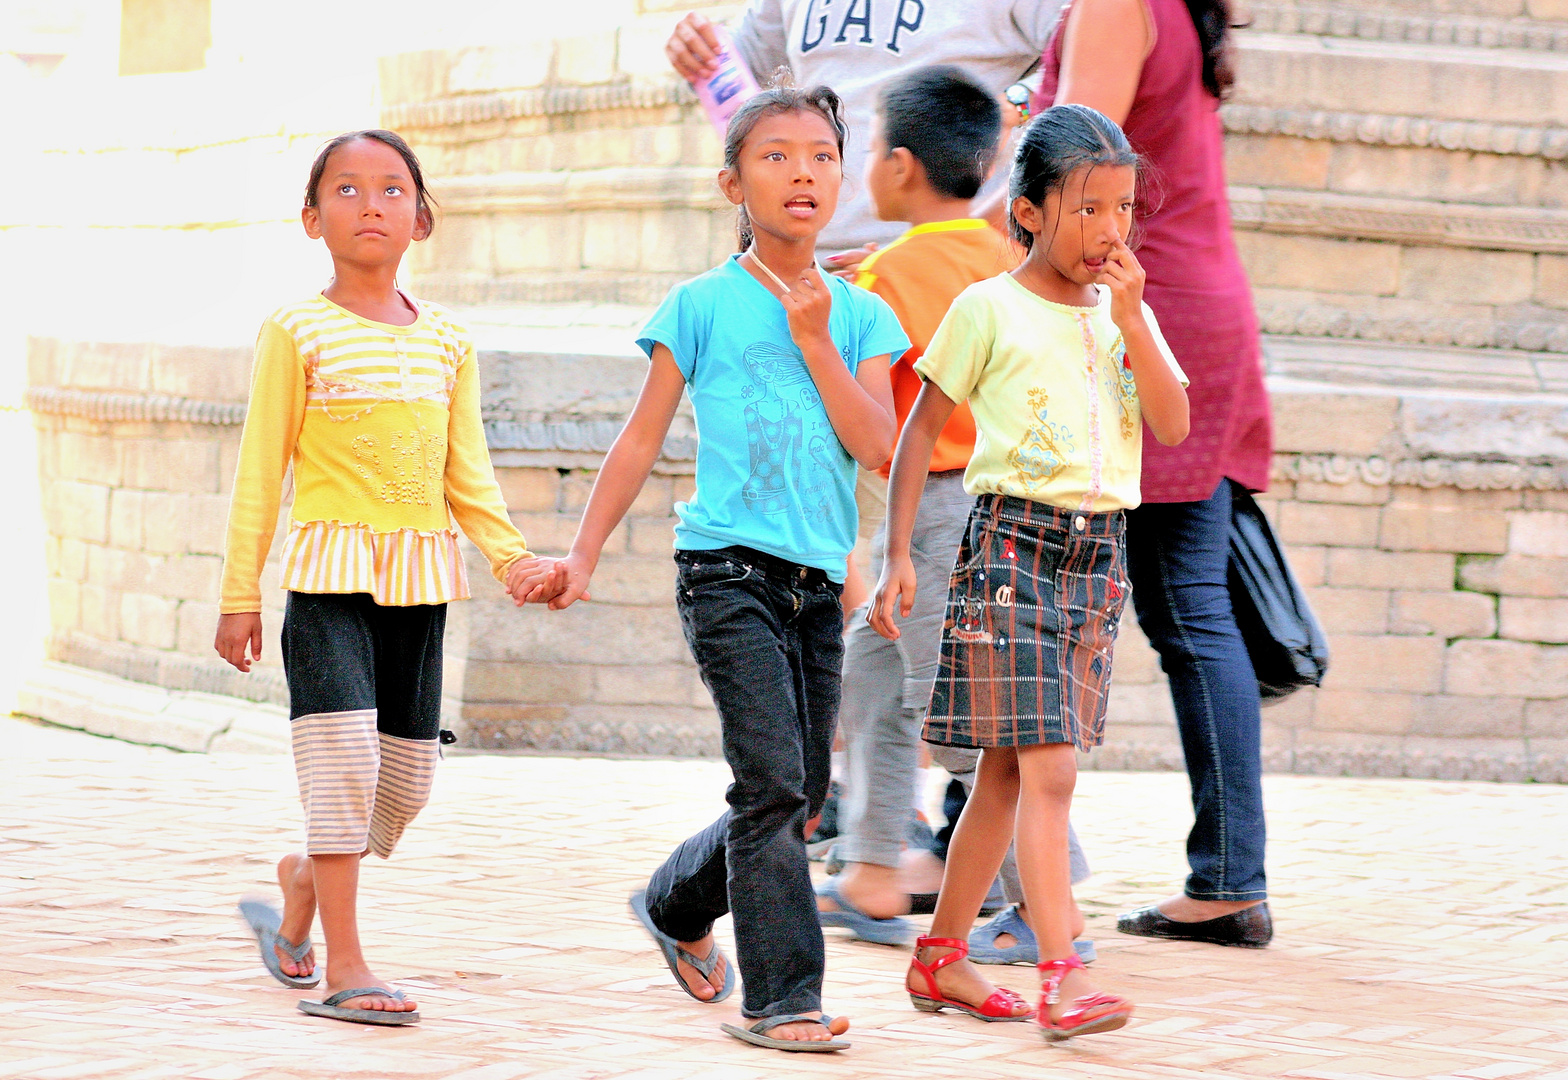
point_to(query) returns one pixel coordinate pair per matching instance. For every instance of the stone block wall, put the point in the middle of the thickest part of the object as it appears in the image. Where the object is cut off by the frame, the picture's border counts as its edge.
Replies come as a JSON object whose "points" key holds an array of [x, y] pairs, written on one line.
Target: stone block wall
{"points": [[1441, 582], [137, 446], [1438, 571], [1431, 534]]}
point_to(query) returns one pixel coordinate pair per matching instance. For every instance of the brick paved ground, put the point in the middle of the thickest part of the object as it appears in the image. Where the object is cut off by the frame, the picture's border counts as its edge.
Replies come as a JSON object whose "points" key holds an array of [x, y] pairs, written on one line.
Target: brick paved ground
{"points": [[1423, 932]]}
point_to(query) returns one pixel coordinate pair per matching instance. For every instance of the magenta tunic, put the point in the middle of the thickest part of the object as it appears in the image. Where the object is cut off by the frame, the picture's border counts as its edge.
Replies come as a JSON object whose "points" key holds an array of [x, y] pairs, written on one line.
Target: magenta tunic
{"points": [[1196, 286]]}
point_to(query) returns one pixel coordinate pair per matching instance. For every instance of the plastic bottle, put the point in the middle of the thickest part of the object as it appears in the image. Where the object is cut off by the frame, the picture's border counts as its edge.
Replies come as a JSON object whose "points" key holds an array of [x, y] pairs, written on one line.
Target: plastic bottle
{"points": [[728, 88]]}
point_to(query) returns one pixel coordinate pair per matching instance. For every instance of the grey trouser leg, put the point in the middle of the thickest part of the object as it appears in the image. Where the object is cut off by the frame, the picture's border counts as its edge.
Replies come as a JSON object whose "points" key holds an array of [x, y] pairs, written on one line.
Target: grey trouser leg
{"points": [[961, 764], [887, 684]]}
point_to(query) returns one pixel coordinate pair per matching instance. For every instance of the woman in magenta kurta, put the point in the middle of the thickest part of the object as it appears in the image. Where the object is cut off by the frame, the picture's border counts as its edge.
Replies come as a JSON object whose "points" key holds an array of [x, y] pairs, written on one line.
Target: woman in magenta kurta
{"points": [[1160, 67]]}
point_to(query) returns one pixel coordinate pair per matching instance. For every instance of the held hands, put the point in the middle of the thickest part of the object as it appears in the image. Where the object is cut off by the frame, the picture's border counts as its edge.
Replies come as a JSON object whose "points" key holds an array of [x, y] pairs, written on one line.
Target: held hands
{"points": [[693, 48], [895, 588], [235, 632], [559, 583], [1124, 275], [807, 306]]}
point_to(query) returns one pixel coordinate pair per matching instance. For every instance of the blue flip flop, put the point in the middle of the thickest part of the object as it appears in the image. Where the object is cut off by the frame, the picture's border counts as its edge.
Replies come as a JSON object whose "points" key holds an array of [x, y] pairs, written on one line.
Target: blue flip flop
{"points": [[757, 1035], [1025, 950], [333, 1010], [893, 931], [673, 952], [264, 920]]}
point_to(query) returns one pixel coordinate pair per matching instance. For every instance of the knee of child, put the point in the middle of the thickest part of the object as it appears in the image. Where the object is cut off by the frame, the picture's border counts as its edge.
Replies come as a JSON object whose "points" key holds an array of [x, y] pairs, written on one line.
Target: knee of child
{"points": [[1049, 772]]}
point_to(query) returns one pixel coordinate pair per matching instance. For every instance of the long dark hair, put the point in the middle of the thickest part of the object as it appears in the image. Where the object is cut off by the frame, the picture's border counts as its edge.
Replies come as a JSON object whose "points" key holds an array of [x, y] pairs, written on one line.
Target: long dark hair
{"points": [[774, 101], [423, 200], [1211, 18], [1060, 140]]}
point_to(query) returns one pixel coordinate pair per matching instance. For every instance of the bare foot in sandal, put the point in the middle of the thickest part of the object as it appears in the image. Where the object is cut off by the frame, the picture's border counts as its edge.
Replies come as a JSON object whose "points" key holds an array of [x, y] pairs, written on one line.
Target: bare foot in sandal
{"points": [[806, 1031], [361, 976], [297, 878], [958, 983], [704, 989]]}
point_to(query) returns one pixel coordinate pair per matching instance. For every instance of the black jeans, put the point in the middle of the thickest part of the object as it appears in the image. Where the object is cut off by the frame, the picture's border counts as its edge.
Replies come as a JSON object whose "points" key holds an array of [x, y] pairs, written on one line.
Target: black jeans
{"points": [[1177, 555], [768, 638]]}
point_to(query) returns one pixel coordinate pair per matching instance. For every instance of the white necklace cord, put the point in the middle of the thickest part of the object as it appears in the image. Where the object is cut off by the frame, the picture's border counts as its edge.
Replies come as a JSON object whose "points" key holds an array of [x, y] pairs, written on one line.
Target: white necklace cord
{"points": [[752, 251]]}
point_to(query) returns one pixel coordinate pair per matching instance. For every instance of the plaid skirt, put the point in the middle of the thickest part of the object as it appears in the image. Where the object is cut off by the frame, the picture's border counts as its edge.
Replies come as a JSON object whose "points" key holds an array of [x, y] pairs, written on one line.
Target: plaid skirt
{"points": [[1032, 610]]}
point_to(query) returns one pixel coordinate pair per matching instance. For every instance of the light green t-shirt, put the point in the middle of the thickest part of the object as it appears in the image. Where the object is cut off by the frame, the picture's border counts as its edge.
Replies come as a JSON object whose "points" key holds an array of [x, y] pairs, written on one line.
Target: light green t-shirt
{"points": [[1055, 406]]}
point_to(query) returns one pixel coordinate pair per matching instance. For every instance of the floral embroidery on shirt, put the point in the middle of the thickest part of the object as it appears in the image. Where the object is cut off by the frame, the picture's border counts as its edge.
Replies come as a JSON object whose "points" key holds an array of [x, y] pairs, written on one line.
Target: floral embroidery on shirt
{"points": [[1123, 390], [1042, 454], [415, 473]]}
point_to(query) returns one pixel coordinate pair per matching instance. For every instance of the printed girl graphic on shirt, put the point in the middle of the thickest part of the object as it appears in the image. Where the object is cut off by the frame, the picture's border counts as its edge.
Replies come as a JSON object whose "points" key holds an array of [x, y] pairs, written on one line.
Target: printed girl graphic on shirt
{"points": [[788, 434], [1042, 454]]}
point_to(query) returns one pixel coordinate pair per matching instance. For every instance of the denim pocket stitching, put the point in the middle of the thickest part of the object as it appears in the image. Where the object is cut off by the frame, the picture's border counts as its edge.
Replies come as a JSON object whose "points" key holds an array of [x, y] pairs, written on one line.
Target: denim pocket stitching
{"points": [[730, 573]]}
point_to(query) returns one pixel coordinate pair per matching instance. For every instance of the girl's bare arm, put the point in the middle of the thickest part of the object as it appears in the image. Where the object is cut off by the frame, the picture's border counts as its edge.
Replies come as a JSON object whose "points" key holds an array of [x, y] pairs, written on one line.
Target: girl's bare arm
{"points": [[1103, 50], [1160, 393], [911, 466], [859, 405], [621, 477]]}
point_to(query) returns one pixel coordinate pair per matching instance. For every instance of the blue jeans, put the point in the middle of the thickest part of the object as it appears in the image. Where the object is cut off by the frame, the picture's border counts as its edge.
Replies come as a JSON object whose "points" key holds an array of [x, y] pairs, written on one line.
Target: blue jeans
{"points": [[768, 639], [1177, 554]]}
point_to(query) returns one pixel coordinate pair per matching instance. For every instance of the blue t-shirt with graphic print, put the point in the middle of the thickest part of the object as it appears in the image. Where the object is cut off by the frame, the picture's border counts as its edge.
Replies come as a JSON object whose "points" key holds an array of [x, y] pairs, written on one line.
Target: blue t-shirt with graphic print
{"points": [[771, 473]]}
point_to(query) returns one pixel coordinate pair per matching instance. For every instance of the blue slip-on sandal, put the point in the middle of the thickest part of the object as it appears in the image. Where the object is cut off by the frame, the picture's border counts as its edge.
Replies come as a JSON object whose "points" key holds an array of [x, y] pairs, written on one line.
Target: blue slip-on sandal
{"points": [[757, 1035], [673, 952], [1025, 950], [893, 931], [264, 920], [331, 1008]]}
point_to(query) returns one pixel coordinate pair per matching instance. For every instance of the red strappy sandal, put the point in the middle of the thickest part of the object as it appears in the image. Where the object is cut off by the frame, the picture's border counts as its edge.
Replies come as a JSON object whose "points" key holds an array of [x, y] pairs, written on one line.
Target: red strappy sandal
{"points": [[999, 1006], [1073, 1021]]}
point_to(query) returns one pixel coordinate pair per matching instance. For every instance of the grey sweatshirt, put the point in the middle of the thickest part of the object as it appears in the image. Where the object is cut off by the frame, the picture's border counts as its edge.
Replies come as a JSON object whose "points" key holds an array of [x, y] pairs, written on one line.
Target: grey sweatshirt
{"points": [[855, 45]]}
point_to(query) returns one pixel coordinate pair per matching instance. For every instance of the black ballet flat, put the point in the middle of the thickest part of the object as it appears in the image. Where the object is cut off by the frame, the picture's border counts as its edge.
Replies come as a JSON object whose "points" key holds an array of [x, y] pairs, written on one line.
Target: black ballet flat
{"points": [[1249, 928]]}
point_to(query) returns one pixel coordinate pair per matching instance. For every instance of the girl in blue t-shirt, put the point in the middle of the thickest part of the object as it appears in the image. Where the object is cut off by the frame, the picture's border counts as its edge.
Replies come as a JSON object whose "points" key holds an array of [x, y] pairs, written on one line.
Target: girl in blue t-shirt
{"points": [[787, 370]]}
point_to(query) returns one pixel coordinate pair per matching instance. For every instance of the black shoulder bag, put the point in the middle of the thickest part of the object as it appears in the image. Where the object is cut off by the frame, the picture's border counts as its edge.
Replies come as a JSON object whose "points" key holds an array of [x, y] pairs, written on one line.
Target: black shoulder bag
{"points": [[1283, 638]]}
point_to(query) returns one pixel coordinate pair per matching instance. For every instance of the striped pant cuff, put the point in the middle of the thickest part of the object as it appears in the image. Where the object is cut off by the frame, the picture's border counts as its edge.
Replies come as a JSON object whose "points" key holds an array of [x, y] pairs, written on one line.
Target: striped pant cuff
{"points": [[408, 768], [337, 757]]}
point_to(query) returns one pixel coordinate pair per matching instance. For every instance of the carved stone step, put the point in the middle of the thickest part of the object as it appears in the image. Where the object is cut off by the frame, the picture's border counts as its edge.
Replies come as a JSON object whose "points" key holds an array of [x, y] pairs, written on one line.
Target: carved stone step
{"points": [[1381, 21], [1456, 10], [1359, 363], [1494, 86]]}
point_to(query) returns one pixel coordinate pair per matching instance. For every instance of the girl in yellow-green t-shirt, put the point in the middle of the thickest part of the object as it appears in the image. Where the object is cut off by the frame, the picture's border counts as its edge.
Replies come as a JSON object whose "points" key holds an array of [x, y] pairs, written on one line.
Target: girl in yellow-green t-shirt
{"points": [[1061, 364], [373, 398]]}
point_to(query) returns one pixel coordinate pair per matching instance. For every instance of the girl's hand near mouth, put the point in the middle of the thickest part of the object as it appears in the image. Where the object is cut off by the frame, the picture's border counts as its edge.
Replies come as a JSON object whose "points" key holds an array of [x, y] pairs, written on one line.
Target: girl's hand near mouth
{"points": [[1124, 276]]}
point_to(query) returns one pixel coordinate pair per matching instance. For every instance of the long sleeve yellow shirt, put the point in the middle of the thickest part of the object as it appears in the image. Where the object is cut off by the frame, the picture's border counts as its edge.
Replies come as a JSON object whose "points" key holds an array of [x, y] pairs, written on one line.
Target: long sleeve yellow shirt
{"points": [[381, 424]]}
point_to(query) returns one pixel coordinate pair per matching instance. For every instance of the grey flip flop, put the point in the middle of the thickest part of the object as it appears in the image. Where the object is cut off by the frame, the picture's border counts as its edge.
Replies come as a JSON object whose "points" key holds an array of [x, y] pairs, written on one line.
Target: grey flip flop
{"points": [[757, 1035], [264, 920], [672, 952], [330, 1008]]}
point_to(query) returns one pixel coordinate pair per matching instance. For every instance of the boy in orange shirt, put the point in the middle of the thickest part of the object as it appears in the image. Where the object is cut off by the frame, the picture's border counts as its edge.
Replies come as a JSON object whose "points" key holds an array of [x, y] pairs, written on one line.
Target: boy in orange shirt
{"points": [[935, 137]]}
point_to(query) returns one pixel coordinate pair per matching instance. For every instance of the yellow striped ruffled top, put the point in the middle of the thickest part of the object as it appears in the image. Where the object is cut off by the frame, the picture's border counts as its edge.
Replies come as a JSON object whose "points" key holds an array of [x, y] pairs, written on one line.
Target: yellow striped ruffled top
{"points": [[381, 424]]}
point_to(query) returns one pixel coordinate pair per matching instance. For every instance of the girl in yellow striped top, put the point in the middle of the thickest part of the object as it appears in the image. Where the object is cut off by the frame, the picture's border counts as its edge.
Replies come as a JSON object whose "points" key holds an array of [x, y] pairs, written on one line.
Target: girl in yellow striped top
{"points": [[373, 398]]}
